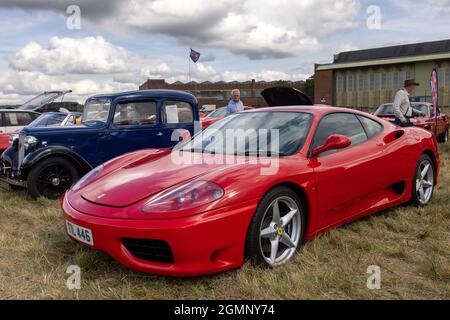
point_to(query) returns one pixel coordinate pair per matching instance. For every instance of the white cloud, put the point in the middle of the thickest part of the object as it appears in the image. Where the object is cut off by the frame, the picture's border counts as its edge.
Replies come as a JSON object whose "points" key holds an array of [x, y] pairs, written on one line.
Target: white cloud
{"points": [[92, 65], [254, 28], [440, 3], [16, 87], [348, 46], [89, 55], [263, 75]]}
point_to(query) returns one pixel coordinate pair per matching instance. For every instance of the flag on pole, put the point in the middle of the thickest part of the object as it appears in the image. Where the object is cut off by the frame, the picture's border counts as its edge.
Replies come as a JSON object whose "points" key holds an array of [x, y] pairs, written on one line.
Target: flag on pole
{"points": [[434, 93], [194, 55]]}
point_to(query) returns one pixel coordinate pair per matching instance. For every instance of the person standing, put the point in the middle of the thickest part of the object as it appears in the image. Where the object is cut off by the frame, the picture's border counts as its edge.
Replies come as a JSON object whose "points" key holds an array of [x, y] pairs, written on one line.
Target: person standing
{"points": [[403, 110], [235, 104]]}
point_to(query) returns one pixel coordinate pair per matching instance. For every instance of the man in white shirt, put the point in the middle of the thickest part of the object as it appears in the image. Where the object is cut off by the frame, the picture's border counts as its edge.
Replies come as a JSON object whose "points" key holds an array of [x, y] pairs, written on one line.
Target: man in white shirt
{"points": [[235, 104], [402, 106]]}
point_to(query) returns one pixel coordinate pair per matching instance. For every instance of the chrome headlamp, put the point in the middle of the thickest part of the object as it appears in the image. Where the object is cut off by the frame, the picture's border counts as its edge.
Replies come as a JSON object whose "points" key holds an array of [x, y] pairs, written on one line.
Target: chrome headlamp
{"points": [[30, 142], [13, 138]]}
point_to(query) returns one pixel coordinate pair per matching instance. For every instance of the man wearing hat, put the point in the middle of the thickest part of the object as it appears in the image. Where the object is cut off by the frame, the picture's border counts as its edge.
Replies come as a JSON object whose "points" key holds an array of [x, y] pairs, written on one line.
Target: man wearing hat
{"points": [[402, 106]]}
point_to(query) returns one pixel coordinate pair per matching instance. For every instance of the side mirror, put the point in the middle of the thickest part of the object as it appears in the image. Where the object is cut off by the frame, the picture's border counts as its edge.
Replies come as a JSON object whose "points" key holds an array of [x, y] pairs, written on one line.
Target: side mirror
{"points": [[333, 142]]}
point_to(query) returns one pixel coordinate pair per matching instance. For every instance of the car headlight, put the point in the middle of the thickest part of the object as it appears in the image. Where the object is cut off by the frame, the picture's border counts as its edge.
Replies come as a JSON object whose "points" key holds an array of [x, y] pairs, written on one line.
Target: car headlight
{"points": [[13, 138], [188, 196], [30, 142], [84, 181]]}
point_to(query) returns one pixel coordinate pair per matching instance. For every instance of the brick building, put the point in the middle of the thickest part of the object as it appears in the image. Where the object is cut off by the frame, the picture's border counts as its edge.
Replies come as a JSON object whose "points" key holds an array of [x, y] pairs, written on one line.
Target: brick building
{"points": [[368, 78], [219, 93]]}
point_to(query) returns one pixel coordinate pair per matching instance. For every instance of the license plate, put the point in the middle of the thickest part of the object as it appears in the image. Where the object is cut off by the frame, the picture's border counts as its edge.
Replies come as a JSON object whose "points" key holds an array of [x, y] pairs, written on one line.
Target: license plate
{"points": [[81, 234], [4, 185]]}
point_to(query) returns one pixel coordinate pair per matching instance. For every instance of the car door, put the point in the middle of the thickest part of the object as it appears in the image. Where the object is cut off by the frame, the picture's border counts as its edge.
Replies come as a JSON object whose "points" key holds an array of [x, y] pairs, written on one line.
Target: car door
{"points": [[135, 125], [346, 179], [175, 115]]}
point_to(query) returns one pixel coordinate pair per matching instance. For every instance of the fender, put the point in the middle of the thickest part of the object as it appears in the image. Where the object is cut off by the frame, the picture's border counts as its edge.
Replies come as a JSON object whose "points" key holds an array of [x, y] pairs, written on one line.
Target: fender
{"points": [[34, 157]]}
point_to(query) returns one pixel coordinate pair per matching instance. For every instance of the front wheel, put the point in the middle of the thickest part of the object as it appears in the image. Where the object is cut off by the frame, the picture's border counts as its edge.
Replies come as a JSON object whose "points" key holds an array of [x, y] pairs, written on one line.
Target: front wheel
{"points": [[51, 177], [423, 182], [277, 228]]}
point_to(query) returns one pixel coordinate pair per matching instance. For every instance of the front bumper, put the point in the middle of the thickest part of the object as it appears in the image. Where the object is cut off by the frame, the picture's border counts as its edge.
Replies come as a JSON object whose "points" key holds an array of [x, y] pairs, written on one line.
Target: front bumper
{"points": [[7, 175], [207, 243]]}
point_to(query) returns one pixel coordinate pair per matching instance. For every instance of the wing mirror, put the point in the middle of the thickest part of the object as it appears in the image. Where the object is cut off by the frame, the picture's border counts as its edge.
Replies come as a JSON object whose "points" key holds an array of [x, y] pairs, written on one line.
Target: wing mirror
{"points": [[333, 142]]}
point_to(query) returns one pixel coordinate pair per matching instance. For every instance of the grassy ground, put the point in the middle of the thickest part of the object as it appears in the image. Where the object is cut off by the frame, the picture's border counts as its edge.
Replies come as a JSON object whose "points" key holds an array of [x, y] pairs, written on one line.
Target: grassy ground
{"points": [[411, 245]]}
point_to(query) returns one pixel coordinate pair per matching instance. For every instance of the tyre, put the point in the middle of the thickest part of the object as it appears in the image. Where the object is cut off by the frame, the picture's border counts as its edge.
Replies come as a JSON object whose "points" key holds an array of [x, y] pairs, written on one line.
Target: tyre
{"points": [[51, 177], [423, 181], [444, 137], [277, 228]]}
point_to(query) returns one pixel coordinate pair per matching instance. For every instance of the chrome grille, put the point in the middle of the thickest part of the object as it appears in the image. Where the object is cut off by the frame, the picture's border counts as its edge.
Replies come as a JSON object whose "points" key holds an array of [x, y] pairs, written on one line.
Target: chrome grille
{"points": [[21, 150]]}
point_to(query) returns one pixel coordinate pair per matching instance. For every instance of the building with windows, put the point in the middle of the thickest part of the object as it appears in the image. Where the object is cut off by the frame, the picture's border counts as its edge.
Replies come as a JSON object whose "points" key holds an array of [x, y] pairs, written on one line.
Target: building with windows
{"points": [[367, 78], [219, 93]]}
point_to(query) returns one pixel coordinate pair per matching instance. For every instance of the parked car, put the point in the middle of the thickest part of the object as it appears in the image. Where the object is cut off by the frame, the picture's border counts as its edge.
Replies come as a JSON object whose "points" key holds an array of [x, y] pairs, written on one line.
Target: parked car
{"points": [[208, 108], [46, 102], [12, 120], [4, 141], [52, 119], [274, 96], [332, 166], [217, 115], [427, 122], [44, 120], [47, 161]]}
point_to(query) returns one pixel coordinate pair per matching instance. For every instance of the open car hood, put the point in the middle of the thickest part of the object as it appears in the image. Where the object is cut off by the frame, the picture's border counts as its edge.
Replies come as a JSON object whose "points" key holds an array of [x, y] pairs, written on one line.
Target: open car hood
{"points": [[285, 96], [54, 95]]}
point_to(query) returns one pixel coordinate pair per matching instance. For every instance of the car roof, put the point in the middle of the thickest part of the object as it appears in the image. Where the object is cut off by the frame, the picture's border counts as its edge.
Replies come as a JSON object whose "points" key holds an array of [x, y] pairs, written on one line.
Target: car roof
{"points": [[149, 93], [17, 110], [317, 109]]}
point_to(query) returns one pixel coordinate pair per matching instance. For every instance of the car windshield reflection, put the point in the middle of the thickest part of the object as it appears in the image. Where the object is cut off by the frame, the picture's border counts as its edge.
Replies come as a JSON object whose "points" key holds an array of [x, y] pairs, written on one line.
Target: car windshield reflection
{"points": [[253, 133]]}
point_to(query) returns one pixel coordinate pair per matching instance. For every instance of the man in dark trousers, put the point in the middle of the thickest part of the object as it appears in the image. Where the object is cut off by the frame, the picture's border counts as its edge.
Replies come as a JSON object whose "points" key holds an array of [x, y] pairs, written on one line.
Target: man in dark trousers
{"points": [[403, 110]]}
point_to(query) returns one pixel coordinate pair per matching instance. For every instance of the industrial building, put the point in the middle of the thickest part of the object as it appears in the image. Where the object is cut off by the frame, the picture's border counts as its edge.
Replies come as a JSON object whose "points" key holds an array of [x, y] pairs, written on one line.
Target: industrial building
{"points": [[367, 78]]}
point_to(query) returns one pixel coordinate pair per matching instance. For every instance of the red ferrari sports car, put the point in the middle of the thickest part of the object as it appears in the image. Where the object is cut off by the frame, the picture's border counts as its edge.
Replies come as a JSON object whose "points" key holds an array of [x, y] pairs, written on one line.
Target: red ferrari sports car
{"points": [[329, 166], [427, 122]]}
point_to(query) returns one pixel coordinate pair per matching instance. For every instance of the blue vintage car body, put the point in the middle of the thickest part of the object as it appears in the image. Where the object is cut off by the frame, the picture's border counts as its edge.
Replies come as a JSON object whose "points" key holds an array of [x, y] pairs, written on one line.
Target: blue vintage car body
{"points": [[91, 144]]}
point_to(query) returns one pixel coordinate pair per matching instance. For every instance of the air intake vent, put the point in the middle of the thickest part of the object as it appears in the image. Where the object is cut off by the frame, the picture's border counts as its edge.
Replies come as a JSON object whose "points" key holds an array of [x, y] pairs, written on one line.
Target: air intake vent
{"points": [[149, 250]]}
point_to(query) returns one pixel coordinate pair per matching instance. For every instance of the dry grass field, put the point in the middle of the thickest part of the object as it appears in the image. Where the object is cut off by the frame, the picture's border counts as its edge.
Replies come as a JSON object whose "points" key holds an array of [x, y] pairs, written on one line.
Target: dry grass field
{"points": [[411, 245]]}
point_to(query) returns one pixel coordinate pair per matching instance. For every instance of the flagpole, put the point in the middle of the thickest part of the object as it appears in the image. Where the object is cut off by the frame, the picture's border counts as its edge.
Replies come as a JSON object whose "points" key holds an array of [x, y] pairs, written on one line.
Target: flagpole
{"points": [[189, 67]]}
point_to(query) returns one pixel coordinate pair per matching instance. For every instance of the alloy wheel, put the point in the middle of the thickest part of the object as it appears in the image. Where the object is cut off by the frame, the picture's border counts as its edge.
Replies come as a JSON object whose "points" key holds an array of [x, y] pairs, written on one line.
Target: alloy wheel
{"points": [[280, 231], [425, 181]]}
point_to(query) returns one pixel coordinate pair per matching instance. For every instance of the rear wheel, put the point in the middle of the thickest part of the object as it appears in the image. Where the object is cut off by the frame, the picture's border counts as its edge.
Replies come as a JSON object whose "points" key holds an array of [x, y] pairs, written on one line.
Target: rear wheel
{"points": [[51, 177], [423, 182], [277, 228]]}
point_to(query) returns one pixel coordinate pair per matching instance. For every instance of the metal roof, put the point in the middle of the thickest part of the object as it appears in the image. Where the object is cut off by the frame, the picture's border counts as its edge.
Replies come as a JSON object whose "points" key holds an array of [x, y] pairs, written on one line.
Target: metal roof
{"points": [[407, 50]]}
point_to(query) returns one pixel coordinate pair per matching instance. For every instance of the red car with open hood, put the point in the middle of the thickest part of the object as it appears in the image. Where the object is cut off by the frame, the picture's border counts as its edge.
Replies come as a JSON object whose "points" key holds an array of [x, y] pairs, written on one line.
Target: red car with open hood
{"points": [[204, 207], [438, 126]]}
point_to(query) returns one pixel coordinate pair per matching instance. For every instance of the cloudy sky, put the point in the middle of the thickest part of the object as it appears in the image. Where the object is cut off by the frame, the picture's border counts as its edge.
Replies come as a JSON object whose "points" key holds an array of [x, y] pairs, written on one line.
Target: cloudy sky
{"points": [[120, 43]]}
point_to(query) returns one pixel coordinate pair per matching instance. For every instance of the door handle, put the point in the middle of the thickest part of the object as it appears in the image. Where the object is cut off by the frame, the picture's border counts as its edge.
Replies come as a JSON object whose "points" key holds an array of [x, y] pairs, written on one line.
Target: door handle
{"points": [[160, 134]]}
